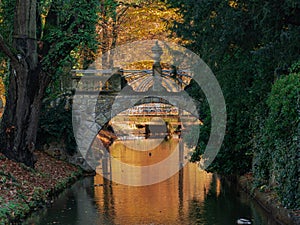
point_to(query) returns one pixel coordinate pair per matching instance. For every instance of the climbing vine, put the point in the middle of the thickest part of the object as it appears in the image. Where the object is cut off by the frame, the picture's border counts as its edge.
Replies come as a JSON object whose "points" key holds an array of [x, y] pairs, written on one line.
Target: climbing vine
{"points": [[276, 163]]}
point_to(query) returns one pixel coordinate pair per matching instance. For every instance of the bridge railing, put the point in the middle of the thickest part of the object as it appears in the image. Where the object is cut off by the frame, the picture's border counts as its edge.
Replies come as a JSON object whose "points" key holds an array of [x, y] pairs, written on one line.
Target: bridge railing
{"points": [[96, 81]]}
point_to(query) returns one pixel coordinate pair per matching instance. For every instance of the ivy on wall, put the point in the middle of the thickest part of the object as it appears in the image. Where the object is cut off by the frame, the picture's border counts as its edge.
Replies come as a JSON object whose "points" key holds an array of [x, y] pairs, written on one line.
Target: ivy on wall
{"points": [[276, 163]]}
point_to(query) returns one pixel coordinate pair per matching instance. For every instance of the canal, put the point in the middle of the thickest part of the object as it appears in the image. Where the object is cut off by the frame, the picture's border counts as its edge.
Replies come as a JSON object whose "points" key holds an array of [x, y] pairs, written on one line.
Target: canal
{"points": [[189, 196]]}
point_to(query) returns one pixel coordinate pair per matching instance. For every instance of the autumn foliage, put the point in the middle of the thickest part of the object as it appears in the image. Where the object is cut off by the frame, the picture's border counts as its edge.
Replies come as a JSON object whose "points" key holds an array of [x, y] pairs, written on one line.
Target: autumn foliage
{"points": [[23, 189]]}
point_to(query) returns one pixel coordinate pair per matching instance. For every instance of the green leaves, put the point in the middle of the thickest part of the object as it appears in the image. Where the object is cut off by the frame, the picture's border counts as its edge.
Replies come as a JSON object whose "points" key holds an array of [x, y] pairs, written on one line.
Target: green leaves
{"points": [[279, 141], [69, 26], [56, 123], [248, 45]]}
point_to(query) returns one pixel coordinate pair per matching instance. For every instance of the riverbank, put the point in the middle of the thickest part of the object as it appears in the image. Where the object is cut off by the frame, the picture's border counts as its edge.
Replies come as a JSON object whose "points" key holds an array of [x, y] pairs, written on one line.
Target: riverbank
{"points": [[24, 190], [269, 201]]}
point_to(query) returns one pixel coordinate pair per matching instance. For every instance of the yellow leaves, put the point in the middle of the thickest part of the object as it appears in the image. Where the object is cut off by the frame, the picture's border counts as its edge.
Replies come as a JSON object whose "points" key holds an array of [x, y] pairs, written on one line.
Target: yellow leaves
{"points": [[213, 14], [140, 65], [2, 88], [152, 21], [2, 96], [233, 4]]}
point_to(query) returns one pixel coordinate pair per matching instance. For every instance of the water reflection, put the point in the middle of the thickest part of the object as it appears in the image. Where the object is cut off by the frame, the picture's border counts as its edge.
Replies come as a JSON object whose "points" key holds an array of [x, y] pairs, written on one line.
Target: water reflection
{"points": [[143, 166], [190, 196], [162, 203]]}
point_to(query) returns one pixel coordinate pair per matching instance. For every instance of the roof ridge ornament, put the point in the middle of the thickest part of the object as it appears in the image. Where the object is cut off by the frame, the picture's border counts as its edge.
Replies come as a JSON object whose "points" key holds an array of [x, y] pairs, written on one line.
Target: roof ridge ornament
{"points": [[157, 52]]}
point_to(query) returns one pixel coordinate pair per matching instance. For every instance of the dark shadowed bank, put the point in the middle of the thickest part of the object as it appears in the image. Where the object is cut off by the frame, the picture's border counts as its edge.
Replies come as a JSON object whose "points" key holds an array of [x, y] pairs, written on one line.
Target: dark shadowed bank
{"points": [[269, 200], [24, 190]]}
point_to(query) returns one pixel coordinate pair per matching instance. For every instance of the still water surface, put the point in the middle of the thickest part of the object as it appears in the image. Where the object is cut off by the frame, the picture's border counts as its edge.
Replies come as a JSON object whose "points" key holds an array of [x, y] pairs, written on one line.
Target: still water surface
{"points": [[190, 196]]}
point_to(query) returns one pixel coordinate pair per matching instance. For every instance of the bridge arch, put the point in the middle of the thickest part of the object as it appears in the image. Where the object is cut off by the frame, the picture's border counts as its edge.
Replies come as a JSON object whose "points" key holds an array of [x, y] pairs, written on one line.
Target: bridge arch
{"points": [[113, 99]]}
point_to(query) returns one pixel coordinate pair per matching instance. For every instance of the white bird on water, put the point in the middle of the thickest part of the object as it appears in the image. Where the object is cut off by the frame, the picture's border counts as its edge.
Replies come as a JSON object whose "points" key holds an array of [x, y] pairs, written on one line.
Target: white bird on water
{"points": [[243, 221]]}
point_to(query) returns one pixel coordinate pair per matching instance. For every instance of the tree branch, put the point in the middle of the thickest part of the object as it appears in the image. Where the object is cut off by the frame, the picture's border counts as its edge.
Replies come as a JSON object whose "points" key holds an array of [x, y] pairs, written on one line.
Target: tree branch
{"points": [[122, 12], [6, 50]]}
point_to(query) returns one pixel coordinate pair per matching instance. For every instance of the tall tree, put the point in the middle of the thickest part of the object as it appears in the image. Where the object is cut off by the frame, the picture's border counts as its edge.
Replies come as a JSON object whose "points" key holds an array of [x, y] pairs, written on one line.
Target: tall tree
{"points": [[247, 44], [44, 34], [123, 21], [111, 13]]}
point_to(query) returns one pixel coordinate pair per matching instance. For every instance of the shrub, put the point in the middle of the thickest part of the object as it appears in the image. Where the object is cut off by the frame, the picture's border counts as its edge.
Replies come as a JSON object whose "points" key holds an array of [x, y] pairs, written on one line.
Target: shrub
{"points": [[56, 123], [276, 163]]}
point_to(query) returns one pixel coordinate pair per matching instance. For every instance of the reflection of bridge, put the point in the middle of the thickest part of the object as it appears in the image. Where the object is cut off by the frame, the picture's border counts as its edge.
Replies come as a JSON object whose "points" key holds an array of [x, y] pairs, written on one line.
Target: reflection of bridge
{"points": [[150, 109], [103, 94]]}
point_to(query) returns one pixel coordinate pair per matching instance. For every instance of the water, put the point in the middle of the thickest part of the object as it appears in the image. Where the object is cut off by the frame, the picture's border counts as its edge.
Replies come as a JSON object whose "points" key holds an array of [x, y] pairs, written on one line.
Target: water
{"points": [[190, 196]]}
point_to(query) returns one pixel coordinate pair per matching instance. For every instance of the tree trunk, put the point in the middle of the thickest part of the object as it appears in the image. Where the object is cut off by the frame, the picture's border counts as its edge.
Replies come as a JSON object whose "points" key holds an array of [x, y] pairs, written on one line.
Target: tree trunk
{"points": [[17, 140], [26, 88]]}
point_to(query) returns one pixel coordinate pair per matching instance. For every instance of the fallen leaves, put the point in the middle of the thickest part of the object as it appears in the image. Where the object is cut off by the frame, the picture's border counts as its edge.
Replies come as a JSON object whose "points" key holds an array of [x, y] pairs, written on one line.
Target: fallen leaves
{"points": [[22, 186]]}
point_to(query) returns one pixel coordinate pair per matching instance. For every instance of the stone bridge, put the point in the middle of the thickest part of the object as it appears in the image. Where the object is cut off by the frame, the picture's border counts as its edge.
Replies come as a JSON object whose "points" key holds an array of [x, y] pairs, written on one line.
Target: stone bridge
{"points": [[103, 94]]}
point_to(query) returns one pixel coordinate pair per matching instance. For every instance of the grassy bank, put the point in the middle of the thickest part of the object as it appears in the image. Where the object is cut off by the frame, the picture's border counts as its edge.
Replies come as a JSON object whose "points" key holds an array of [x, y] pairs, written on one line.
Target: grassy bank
{"points": [[269, 200], [23, 190]]}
